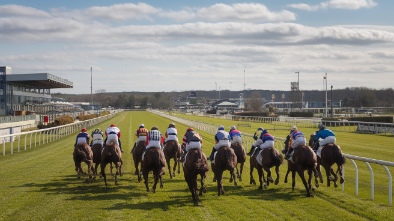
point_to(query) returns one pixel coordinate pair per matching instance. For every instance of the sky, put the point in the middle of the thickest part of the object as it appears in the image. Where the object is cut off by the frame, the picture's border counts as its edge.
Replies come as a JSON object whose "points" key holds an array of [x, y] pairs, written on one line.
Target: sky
{"points": [[182, 45]]}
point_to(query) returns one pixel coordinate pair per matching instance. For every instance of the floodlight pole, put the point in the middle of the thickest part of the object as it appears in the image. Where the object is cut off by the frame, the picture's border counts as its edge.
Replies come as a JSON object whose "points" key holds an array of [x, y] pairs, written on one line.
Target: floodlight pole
{"points": [[91, 86]]}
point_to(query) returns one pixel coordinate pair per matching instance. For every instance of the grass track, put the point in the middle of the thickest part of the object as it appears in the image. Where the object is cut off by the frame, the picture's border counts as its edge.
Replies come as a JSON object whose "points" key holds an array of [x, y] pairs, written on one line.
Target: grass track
{"points": [[41, 184]]}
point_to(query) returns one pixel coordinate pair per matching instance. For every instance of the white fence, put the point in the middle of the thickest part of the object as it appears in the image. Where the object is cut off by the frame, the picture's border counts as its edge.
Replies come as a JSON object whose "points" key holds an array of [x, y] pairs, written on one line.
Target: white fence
{"points": [[248, 141], [43, 136]]}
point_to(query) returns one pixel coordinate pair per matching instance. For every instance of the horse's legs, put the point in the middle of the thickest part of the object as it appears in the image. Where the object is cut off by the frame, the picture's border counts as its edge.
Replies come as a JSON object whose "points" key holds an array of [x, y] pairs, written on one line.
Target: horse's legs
{"points": [[328, 172], [232, 173], [175, 164], [178, 160], [203, 188], [340, 174], [301, 174], [241, 168], [169, 167], [318, 169], [102, 165], [287, 173], [269, 175], [293, 175], [145, 175], [277, 175], [219, 180], [78, 168], [252, 181], [309, 179], [261, 178]]}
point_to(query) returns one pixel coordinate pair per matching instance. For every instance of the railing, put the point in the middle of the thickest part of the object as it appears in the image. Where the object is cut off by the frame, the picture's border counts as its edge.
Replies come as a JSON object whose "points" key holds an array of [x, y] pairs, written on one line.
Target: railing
{"points": [[248, 141], [47, 135], [10, 119]]}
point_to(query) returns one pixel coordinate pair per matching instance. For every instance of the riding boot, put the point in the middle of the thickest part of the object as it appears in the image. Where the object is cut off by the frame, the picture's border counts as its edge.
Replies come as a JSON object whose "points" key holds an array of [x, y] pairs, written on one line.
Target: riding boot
{"points": [[132, 150], [251, 150], [288, 153], [183, 156], [256, 152], [120, 145], [212, 153], [316, 147]]}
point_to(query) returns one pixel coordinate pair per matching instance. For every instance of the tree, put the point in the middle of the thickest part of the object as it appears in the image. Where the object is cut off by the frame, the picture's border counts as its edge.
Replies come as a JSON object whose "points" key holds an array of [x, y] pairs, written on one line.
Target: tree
{"points": [[254, 103]]}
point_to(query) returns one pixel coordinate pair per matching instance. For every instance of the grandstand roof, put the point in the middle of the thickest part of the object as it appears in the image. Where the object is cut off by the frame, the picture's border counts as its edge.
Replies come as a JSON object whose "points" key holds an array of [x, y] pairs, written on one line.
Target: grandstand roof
{"points": [[40, 80]]}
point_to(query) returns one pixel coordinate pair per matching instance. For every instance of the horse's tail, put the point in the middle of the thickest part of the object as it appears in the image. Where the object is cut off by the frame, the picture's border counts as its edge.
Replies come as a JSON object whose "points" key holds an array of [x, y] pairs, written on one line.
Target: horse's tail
{"points": [[230, 158], [276, 157], [339, 158], [79, 154]]}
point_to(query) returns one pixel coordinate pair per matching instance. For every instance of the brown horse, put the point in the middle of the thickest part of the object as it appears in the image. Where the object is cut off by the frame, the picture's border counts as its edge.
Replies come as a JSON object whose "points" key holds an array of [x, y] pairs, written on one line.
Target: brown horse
{"points": [[330, 154], [153, 160], [270, 157], [195, 164], [305, 159], [96, 149], [239, 151], [172, 151], [137, 158], [225, 160], [111, 154], [83, 153]]}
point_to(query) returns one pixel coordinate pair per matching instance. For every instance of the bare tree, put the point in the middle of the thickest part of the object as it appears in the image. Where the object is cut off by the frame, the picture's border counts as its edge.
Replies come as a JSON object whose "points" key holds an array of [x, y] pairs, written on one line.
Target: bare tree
{"points": [[254, 103]]}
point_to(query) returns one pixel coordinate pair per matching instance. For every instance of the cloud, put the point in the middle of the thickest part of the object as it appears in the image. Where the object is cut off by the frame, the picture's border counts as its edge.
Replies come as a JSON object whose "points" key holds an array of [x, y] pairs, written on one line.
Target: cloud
{"points": [[235, 12], [18, 10], [337, 4], [140, 11]]}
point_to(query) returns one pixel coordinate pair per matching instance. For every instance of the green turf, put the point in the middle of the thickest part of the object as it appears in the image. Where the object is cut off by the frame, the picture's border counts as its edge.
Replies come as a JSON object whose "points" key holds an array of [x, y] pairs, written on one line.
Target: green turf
{"points": [[41, 184]]}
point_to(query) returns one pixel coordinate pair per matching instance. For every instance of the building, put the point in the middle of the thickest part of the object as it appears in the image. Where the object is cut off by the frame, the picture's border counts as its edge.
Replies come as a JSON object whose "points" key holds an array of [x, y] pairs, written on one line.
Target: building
{"points": [[28, 92]]}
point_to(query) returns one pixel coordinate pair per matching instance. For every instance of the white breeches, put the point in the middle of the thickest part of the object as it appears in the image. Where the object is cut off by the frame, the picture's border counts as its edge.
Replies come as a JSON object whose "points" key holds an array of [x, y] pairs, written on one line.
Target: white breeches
{"points": [[112, 138], [193, 145], [258, 142], [237, 139], [172, 137], [153, 143], [323, 142], [81, 140], [141, 138], [267, 144], [97, 141], [300, 141], [222, 143]]}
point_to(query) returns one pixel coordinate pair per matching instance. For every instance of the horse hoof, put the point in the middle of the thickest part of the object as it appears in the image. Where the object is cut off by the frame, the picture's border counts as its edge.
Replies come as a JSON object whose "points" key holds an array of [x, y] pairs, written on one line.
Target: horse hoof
{"points": [[240, 179], [231, 180], [336, 185], [341, 180], [161, 186], [276, 182], [265, 186], [331, 178]]}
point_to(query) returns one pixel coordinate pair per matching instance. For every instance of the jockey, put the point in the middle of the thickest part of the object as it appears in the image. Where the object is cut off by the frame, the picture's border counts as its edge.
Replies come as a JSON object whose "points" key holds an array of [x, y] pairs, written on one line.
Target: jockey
{"points": [[222, 138], [82, 138], [154, 139], [235, 135], [298, 140], [97, 137], [258, 142], [323, 136], [113, 134], [141, 134], [171, 133], [268, 142], [288, 140], [191, 140]]}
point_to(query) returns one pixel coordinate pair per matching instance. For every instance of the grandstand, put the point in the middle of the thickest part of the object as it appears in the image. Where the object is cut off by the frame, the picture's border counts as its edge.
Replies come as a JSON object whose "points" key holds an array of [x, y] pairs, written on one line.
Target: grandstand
{"points": [[29, 93]]}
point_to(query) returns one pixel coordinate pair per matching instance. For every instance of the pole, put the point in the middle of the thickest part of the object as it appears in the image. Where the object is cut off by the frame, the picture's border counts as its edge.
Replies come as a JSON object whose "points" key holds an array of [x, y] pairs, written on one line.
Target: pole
{"points": [[219, 92], [216, 87], [326, 95], [298, 88], [244, 82], [230, 90], [91, 86], [332, 110]]}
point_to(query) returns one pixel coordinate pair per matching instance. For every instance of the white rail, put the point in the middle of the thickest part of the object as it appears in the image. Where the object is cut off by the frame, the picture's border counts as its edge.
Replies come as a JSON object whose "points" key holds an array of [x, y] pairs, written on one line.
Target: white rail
{"points": [[248, 140]]}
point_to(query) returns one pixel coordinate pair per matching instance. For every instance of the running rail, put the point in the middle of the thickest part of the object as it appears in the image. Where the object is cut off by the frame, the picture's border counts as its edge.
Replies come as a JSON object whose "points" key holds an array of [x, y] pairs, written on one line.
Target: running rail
{"points": [[211, 129]]}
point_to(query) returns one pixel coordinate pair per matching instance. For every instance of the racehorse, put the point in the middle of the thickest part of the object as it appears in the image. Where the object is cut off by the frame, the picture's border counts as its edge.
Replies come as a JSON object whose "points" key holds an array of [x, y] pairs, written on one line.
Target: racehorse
{"points": [[83, 153], [330, 154], [111, 154], [305, 159], [225, 160], [172, 151], [239, 151], [153, 160], [270, 157], [195, 164], [96, 149], [137, 158]]}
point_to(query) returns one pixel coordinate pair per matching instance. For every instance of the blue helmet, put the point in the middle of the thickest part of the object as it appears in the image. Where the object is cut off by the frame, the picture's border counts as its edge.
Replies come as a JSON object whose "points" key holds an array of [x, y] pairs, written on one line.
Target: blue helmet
{"points": [[321, 126], [260, 128], [264, 132], [221, 128]]}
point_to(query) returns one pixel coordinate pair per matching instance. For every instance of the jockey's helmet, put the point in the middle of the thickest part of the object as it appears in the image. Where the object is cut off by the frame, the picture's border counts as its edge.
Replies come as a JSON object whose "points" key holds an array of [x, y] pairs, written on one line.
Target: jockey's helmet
{"points": [[142, 126], [293, 128], [189, 129], [264, 132], [260, 128], [171, 125], [112, 125], [154, 128], [321, 126], [83, 130], [221, 128], [233, 127]]}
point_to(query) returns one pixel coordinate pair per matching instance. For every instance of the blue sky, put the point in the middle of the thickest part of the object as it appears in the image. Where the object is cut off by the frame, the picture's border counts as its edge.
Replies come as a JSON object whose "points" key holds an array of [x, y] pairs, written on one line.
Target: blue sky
{"points": [[200, 45]]}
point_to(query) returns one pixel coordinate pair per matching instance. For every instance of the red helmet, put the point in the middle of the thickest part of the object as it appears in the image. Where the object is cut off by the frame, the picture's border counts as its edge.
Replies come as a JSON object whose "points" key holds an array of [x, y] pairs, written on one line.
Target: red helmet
{"points": [[83, 130], [112, 125], [189, 129]]}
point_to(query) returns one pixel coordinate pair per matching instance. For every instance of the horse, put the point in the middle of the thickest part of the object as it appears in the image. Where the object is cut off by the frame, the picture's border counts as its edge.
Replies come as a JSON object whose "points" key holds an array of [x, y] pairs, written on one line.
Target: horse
{"points": [[270, 157], [172, 151], [195, 164], [83, 153], [239, 151], [96, 149], [137, 158], [225, 160], [330, 154], [111, 154], [153, 160], [305, 159]]}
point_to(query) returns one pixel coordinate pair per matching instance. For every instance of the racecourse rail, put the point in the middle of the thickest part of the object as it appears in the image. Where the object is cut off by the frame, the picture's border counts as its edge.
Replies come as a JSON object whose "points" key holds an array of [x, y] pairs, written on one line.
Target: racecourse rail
{"points": [[248, 141], [47, 135]]}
